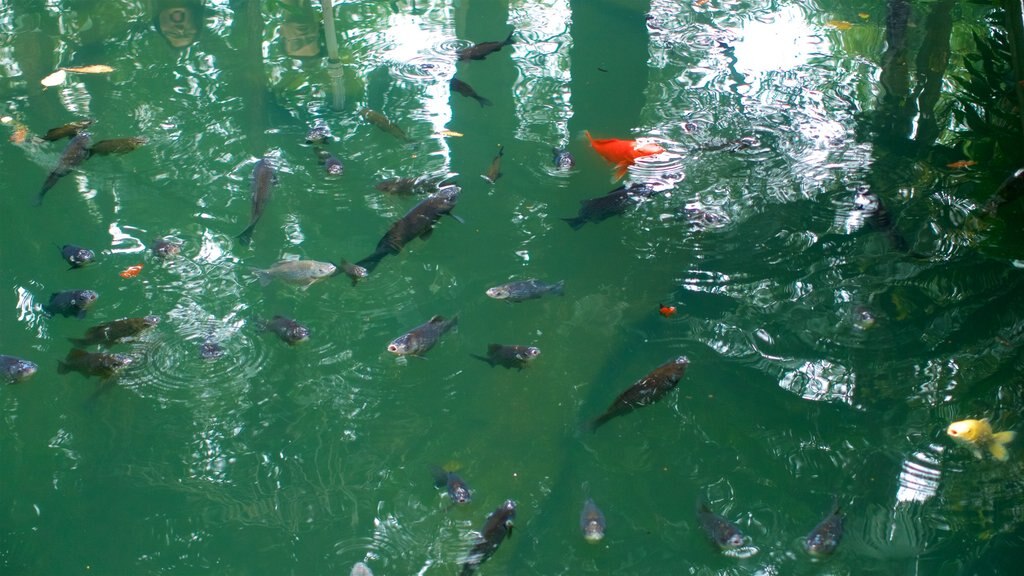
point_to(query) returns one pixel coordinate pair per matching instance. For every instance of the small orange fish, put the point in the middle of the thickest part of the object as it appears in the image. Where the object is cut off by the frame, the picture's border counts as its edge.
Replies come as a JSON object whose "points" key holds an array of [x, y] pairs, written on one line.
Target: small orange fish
{"points": [[131, 271], [622, 153], [666, 311], [961, 164]]}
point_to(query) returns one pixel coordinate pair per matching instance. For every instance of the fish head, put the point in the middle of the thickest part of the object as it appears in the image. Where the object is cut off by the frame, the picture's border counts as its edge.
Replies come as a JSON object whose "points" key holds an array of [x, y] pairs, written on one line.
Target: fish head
{"points": [[449, 193], [401, 345], [150, 320], [324, 269], [460, 494], [531, 352], [593, 531], [819, 545], [78, 256], [115, 361], [734, 540], [967, 431], [21, 369], [84, 298], [508, 509], [296, 333], [498, 292], [356, 271]]}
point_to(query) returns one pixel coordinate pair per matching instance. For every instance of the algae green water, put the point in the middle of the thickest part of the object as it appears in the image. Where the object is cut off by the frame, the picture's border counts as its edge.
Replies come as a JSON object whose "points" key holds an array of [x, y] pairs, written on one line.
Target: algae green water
{"points": [[832, 220]]}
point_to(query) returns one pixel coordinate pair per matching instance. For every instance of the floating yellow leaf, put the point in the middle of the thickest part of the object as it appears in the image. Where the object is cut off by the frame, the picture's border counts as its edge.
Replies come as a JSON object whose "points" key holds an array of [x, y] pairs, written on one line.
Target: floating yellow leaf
{"points": [[55, 79], [863, 15], [93, 69], [839, 24], [451, 133], [961, 164]]}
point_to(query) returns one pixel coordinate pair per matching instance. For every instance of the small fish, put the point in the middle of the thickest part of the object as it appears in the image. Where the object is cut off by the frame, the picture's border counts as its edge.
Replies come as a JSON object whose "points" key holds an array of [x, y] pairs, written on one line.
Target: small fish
{"points": [[76, 256], [509, 356], [320, 133], [494, 171], [467, 91], [381, 121], [116, 330], [961, 164], [423, 337], [117, 145], [402, 186], [166, 247], [76, 152], [13, 369], [263, 180], [592, 521], [977, 435], [417, 223], [722, 532], [131, 271], [823, 540], [525, 290], [100, 364], [70, 303], [613, 203], [483, 49], [353, 271], [563, 159], [496, 528], [360, 569], [458, 490], [666, 311], [622, 153], [330, 162], [301, 273], [645, 391], [287, 329], [68, 130]]}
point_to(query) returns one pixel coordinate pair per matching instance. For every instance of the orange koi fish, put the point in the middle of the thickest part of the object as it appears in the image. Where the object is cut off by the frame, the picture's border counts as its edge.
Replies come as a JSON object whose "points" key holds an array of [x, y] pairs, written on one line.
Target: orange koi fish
{"points": [[131, 271], [622, 153], [666, 311]]}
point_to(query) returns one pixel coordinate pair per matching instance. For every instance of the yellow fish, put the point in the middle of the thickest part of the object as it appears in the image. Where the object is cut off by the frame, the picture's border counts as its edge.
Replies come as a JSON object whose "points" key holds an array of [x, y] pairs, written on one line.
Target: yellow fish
{"points": [[977, 434]]}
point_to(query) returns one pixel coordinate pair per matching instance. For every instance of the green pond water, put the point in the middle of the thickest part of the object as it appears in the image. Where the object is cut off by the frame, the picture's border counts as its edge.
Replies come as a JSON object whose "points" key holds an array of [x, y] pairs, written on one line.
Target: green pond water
{"points": [[843, 290]]}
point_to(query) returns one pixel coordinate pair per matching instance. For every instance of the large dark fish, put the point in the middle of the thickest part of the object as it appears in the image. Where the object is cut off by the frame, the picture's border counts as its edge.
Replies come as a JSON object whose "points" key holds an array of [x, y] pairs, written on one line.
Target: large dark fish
{"points": [[496, 528], [494, 170], [381, 121], [263, 179], [423, 337], [111, 332], [525, 290], [117, 145], [591, 521], [417, 223], [646, 390], [722, 532], [287, 329], [823, 540], [458, 490], [615, 202], [76, 152], [77, 256], [100, 364], [509, 356], [467, 91], [70, 303], [483, 49], [330, 162], [14, 369], [67, 131]]}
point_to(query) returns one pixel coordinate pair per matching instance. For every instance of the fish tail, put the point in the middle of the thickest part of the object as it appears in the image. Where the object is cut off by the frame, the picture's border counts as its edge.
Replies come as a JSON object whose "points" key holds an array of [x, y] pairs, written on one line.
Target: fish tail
{"points": [[589, 137], [371, 261], [597, 422], [484, 358], [509, 39], [62, 368], [483, 101], [575, 223], [559, 288], [263, 276], [246, 236], [998, 448]]}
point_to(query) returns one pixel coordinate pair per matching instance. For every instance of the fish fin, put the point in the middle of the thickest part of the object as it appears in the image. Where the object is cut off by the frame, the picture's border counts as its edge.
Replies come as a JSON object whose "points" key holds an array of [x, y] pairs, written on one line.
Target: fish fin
{"points": [[575, 223], [456, 217], [263, 276], [597, 422], [245, 238], [492, 348], [440, 475], [620, 170], [509, 39], [998, 451], [485, 359], [426, 233], [62, 368], [483, 101], [977, 452], [81, 314], [1004, 437], [559, 288]]}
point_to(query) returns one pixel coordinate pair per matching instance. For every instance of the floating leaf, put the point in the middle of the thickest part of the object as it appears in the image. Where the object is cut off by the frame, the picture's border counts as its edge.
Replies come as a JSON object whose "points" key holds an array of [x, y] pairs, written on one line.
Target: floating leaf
{"points": [[961, 164], [93, 69], [131, 271], [863, 15], [55, 79], [451, 133], [839, 24]]}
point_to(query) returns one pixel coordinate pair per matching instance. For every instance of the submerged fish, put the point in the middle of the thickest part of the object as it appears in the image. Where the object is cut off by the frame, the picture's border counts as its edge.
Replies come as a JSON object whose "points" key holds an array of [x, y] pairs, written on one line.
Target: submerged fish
{"points": [[263, 179], [299, 272], [166, 247], [14, 369], [68, 130], [646, 390], [117, 145], [823, 540], [563, 158], [110, 332], [977, 435], [210, 350], [622, 153], [417, 223], [287, 329], [100, 364], [592, 521], [466, 90], [330, 162], [423, 337], [722, 532], [458, 490], [496, 528], [77, 256], [525, 290], [481, 50], [509, 356], [76, 152], [615, 202], [381, 121], [494, 170], [353, 271], [70, 303]]}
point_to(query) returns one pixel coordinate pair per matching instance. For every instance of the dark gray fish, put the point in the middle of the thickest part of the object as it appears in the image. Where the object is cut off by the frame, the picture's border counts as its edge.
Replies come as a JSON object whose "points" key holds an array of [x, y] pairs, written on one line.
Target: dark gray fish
{"points": [[117, 145], [77, 256], [494, 170], [330, 162], [509, 356], [320, 133], [563, 158], [880, 217], [100, 364], [76, 152], [166, 247], [483, 49], [402, 186], [381, 121], [353, 271], [467, 91], [458, 490], [496, 528], [615, 202], [70, 303], [287, 329], [417, 223], [823, 540], [525, 290], [263, 179], [646, 390], [210, 350], [423, 337], [722, 532], [68, 130], [14, 369], [111, 332], [592, 521]]}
